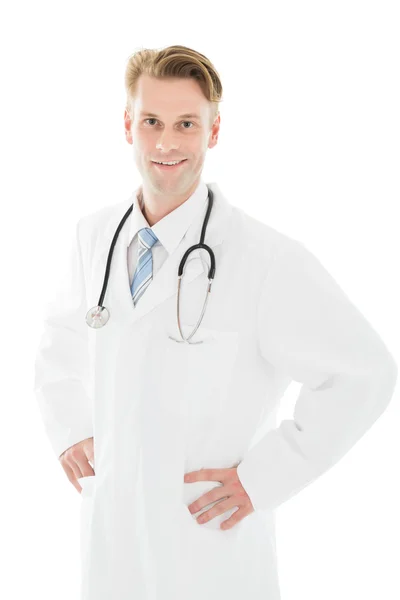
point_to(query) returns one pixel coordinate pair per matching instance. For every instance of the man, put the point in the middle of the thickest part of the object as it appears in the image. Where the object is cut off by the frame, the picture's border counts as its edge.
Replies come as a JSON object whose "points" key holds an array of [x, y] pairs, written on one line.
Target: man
{"points": [[174, 503]]}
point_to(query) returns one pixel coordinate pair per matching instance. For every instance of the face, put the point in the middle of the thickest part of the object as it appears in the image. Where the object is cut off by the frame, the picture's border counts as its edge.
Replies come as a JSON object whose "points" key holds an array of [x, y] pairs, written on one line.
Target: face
{"points": [[169, 136]]}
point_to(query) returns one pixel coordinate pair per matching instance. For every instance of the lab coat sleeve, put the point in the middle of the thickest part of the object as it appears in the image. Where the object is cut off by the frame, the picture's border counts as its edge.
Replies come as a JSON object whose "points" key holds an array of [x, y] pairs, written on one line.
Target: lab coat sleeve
{"points": [[62, 361], [309, 329]]}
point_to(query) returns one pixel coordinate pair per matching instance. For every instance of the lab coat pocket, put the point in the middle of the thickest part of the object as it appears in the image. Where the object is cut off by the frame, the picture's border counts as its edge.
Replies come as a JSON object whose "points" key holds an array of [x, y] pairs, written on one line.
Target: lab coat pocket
{"points": [[86, 509], [199, 374]]}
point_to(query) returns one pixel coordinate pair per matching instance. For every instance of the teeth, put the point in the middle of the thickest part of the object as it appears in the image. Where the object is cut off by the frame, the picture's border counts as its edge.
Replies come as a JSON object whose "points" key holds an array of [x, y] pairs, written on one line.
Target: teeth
{"points": [[168, 163]]}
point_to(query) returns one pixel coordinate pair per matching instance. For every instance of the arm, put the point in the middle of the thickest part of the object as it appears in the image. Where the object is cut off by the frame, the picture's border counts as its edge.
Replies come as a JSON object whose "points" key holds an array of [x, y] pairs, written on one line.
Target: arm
{"points": [[62, 361], [309, 329]]}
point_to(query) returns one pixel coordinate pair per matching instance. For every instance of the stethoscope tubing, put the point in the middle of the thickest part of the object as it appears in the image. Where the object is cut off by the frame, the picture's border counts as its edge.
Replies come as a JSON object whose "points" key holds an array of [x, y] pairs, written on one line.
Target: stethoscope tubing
{"points": [[110, 254], [98, 316]]}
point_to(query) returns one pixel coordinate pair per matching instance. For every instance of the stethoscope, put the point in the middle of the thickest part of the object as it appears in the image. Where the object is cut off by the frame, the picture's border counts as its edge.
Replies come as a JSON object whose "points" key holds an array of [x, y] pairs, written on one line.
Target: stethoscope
{"points": [[98, 316]]}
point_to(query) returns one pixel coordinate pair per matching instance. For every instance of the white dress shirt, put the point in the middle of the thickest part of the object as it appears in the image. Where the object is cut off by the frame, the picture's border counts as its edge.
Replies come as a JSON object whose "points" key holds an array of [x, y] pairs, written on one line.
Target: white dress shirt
{"points": [[169, 230]]}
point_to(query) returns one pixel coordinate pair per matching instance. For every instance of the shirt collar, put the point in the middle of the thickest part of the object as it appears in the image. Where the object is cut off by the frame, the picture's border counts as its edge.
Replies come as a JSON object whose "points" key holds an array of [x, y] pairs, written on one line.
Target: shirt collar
{"points": [[171, 228]]}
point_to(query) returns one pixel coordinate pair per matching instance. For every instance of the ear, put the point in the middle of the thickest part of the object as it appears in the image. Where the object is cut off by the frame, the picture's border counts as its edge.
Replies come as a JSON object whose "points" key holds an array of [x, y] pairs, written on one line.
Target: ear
{"points": [[128, 125]]}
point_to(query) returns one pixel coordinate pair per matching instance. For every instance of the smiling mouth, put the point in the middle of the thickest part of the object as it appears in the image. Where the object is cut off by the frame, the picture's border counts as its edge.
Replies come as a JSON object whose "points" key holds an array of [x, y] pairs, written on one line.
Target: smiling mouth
{"points": [[166, 167], [174, 161]]}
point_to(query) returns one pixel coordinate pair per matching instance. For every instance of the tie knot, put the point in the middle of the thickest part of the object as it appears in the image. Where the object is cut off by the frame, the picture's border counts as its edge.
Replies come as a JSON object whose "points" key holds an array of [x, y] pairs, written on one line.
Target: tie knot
{"points": [[147, 237]]}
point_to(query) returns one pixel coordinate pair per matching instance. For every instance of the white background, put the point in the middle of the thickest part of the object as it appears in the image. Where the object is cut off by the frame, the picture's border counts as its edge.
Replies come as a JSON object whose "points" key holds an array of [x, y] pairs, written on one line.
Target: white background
{"points": [[309, 143]]}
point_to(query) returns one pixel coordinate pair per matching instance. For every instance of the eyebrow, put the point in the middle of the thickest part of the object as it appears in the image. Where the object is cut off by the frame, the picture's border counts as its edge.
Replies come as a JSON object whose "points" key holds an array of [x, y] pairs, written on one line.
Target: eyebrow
{"points": [[185, 116]]}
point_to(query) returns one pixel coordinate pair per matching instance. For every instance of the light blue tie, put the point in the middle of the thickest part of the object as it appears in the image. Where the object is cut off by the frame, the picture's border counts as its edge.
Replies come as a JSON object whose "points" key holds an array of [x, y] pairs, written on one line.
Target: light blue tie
{"points": [[144, 268]]}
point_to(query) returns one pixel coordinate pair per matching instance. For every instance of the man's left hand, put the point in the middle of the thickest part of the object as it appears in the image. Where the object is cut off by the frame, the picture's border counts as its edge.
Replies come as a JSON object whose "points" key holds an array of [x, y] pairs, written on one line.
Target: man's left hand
{"points": [[231, 490]]}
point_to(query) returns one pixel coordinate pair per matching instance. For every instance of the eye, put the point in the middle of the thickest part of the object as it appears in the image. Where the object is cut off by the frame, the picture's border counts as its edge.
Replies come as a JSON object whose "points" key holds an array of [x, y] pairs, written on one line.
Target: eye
{"points": [[152, 119]]}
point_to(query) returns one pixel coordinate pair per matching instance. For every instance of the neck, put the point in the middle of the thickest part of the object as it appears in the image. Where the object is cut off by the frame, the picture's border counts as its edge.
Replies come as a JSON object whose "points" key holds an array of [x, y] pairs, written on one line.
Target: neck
{"points": [[156, 207]]}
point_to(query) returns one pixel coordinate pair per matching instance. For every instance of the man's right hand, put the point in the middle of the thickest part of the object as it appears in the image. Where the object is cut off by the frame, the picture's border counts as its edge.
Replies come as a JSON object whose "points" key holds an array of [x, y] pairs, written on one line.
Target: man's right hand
{"points": [[75, 461]]}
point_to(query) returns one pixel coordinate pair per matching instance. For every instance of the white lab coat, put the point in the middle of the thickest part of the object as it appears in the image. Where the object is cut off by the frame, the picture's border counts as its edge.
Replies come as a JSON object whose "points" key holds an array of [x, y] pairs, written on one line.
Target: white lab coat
{"points": [[158, 409]]}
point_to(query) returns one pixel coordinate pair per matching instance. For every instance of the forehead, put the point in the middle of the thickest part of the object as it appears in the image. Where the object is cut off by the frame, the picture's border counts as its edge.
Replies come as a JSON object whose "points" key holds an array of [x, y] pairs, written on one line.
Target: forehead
{"points": [[177, 97]]}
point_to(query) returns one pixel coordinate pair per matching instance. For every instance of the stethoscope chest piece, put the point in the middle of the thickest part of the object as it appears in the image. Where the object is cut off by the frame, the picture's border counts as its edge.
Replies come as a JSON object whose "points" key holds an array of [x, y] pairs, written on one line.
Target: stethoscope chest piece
{"points": [[97, 316]]}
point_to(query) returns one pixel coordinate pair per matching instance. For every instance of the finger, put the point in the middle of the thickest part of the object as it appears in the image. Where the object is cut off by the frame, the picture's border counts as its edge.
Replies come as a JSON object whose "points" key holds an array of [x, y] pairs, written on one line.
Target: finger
{"points": [[78, 461], [207, 475], [89, 451], [84, 466], [213, 495], [71, 475], [237, 516], [70, 463], [217, 509], [76, 469]]}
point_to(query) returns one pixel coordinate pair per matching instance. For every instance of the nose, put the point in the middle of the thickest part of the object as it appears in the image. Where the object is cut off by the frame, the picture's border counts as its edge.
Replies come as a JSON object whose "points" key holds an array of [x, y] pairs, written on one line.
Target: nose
{"points": [[166, 144]]}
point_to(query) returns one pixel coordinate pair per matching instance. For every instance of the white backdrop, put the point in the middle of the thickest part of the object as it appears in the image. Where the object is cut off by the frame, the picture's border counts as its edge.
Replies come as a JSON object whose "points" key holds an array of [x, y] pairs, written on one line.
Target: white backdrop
{"points": [[309, 143]]}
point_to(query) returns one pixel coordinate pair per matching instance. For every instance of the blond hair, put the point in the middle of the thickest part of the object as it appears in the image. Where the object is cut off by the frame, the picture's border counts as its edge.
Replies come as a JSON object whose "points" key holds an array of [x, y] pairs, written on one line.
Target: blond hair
{"points": [[174, 61]]}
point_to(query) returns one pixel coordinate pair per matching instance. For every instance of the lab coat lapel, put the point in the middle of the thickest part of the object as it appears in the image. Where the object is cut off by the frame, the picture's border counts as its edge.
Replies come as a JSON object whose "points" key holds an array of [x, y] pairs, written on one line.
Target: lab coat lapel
{"points": [[165, 282]]}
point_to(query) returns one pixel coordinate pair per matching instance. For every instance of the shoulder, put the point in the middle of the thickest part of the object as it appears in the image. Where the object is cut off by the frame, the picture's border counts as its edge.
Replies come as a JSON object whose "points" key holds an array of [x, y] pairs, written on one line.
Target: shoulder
{"points": [[263, 241], [91, 224]]}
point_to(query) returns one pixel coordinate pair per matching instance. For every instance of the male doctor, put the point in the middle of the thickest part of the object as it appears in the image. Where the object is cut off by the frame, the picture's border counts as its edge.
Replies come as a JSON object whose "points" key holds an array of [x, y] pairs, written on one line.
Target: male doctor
{"points": [[156, 433]]}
